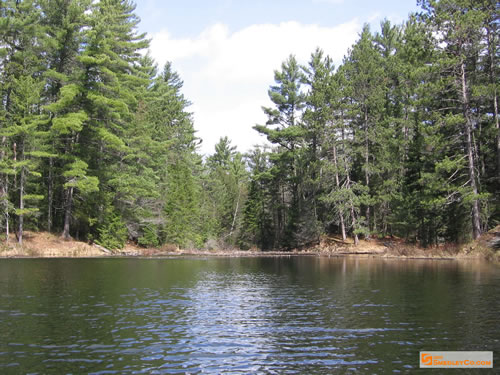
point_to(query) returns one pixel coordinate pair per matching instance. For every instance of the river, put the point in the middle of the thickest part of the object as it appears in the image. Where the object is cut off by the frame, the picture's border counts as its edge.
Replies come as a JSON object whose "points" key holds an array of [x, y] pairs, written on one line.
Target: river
{"points": [[284, 315]]}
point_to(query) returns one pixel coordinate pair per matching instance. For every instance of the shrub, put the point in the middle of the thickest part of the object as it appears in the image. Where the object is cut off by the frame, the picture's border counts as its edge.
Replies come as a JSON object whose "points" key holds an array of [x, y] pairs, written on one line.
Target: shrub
{"points": [[113, 233], [149, 237]]}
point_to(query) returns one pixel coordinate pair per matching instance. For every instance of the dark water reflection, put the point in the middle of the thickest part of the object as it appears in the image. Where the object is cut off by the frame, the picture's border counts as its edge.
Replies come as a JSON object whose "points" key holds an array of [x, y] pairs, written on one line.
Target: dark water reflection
{"points": [[241, 315]]}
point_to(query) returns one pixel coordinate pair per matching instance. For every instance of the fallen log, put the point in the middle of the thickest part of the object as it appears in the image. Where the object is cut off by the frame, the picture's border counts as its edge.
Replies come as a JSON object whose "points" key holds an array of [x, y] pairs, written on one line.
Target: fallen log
{"points": [[103, 249]]}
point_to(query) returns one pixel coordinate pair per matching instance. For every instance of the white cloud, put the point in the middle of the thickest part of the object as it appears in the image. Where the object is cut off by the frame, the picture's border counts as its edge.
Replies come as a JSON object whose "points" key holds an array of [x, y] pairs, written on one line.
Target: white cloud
{"points": [[227, 74]]}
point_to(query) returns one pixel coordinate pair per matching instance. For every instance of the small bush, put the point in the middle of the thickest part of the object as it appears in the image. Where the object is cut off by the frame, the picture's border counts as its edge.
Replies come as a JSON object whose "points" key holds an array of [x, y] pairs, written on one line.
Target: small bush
{"points": [[113, 233], [149, 238]]}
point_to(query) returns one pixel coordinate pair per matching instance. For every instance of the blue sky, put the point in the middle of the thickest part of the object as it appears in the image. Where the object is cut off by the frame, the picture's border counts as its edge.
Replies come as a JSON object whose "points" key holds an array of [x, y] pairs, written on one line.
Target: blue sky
{"points": [[226, 50]]}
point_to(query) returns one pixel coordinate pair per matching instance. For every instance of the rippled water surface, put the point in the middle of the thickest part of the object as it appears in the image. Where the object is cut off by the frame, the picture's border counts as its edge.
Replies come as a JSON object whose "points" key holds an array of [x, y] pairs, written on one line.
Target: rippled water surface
{"points": [[241, 315]]}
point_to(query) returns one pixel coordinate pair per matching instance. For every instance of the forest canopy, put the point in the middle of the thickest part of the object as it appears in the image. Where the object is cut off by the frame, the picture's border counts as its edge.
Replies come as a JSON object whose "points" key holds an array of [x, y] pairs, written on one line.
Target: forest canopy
{"points": [[401, 139]]}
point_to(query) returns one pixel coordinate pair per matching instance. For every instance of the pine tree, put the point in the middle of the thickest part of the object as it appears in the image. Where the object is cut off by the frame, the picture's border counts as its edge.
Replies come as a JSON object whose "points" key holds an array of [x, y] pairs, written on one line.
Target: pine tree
{"points": [[283, 128], [172, 208], [365, 76], [111, 80], [459, 26], [413, 56], [22, 137], [339, 190], [317, 119], [64, 23]]}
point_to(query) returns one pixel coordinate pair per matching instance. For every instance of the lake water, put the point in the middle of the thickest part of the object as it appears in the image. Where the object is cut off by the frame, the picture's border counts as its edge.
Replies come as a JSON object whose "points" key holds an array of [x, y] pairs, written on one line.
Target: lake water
{"points": [[310, 315]]}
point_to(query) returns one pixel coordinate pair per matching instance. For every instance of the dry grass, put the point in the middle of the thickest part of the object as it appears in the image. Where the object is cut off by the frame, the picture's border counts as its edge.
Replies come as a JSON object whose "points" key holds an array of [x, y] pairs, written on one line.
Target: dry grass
{"points": [[48, 245], [484, 246], [335, 244], [394, 247]]}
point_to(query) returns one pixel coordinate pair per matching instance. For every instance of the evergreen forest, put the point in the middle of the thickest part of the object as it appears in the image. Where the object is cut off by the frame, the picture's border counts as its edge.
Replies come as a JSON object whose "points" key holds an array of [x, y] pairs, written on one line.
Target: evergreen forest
{"points": [[97, 143]]}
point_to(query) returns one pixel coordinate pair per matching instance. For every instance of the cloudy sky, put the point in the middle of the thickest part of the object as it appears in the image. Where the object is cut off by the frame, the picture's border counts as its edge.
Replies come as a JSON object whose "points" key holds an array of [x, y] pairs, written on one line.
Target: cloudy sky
{"points": [[227, 50]]}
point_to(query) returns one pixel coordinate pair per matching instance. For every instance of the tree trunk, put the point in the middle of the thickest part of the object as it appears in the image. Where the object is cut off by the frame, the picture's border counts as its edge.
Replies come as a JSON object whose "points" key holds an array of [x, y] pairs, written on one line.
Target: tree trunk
{"points": [[342, 226], [50, 194], [68, 193], [314, 179], [354, 223], [235, 211], [21, 207], [353, 214], [67, 212], [5, 193], [356, 239], [498, 136], [367, 174], [341, 214], [476, 221], [492, 54], [21, 200], [6, 207], [14, 147]]}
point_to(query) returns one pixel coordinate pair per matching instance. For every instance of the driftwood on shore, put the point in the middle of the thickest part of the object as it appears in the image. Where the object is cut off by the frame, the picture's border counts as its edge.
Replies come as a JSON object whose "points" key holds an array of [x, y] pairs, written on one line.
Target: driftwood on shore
{"points": [[103, 249]]}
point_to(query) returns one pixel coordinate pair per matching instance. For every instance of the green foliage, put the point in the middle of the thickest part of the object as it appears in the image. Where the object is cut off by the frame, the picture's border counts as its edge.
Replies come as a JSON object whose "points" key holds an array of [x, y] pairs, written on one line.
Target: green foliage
{"points": [[77, 177], [226, 180], [182, 218], [257, 223], [112, 233], [69, 122], [149, 237]]}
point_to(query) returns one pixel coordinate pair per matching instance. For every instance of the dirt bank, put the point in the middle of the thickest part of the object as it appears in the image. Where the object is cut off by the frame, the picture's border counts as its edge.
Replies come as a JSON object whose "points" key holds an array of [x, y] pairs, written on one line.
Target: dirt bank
{"points": [[43, 244]]}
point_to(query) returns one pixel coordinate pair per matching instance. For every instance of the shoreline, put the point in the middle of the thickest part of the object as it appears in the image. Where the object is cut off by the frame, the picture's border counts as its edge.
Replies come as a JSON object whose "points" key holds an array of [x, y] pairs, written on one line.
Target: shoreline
{"points": [[46, 245], [248, 254]]}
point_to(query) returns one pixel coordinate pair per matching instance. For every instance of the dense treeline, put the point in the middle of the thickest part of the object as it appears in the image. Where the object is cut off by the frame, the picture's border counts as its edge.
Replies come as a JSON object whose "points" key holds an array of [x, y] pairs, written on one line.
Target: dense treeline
{"points": [[97, 144], [401, 139]]}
